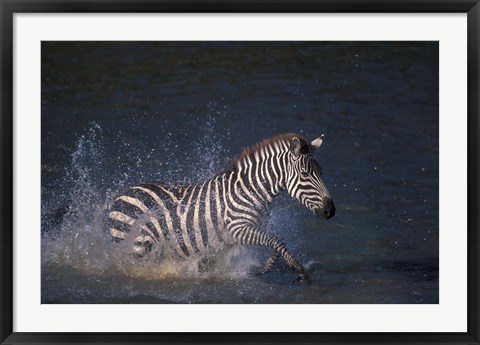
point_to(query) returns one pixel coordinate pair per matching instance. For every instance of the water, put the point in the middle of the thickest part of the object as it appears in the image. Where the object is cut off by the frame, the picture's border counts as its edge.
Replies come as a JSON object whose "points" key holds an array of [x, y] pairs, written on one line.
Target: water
{"points": [[116, 114]]}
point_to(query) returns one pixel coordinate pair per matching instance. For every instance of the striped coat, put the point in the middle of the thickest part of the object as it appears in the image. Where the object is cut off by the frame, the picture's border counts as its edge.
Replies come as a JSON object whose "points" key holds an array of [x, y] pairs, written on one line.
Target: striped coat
{"points": [[227, 209]]}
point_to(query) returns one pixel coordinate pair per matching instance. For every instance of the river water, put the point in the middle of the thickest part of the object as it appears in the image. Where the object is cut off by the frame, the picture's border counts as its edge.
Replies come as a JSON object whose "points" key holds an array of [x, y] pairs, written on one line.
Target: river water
{"points": [[119, 113]]}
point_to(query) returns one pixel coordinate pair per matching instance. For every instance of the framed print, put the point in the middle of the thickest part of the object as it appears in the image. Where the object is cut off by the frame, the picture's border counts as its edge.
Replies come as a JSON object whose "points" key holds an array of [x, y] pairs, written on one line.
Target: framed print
{"points": [[239, 172]]}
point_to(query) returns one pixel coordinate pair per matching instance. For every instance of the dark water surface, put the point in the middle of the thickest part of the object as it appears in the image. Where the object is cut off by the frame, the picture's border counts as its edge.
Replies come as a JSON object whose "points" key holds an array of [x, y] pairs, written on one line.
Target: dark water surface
{"points": [[116, 114]]}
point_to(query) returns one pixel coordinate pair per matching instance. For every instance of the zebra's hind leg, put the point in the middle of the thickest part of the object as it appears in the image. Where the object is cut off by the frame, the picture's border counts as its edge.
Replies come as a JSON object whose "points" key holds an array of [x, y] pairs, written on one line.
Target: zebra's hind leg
{"points": [[142, 245]]}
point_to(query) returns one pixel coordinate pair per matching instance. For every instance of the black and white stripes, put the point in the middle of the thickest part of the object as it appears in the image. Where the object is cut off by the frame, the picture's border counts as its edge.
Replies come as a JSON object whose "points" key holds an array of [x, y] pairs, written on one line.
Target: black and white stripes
{"points": [[228, 208]]}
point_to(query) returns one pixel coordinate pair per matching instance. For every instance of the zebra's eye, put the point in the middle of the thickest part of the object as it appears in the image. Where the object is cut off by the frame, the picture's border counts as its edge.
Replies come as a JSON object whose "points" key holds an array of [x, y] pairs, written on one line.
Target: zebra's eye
{"points": [[304, 174]]}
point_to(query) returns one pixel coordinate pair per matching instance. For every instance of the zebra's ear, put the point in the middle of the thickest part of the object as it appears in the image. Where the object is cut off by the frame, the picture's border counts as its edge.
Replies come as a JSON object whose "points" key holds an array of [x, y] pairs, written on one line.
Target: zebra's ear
{"points": [[317, 142], [295, 146]]}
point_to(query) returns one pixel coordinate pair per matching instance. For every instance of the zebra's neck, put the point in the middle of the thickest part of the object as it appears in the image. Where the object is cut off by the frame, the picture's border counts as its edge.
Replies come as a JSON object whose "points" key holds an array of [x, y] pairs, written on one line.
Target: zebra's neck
{"points": [[261, 173]]}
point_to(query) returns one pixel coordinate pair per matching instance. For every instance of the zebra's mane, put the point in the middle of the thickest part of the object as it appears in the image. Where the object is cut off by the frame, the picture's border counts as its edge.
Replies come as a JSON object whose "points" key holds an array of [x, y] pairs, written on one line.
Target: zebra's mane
{"points": [[249, 151]]}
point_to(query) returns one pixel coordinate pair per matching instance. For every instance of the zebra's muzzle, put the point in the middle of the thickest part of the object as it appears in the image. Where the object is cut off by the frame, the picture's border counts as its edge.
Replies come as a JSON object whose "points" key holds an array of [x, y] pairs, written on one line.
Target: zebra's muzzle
{"points": [[327, 211]]}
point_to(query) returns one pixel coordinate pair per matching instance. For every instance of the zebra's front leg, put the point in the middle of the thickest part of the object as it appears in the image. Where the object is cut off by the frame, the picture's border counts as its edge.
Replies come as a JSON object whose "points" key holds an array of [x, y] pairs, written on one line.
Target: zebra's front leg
{"points": [[250, 235], [271, 261]]}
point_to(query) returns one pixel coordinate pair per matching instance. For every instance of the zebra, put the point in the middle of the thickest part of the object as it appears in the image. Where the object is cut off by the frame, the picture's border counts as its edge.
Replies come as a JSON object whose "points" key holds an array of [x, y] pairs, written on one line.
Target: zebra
{"points": [[228, 208]]}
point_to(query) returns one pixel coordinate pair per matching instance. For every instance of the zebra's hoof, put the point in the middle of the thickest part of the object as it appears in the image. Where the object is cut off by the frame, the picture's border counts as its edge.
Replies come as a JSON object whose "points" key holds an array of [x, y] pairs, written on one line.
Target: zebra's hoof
{"points": [[302, 279], [138, 251], [258, 271]]}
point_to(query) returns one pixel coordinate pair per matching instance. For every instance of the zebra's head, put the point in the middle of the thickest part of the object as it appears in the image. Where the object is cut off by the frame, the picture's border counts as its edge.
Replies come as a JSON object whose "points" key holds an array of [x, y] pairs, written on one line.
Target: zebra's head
{"points": [[304, 178]]}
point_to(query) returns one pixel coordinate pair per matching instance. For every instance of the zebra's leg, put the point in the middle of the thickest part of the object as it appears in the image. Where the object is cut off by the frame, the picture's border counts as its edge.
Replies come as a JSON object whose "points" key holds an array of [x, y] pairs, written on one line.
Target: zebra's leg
{"points": [[268, 265], [145, 241], [142, 245], [249, 235]]}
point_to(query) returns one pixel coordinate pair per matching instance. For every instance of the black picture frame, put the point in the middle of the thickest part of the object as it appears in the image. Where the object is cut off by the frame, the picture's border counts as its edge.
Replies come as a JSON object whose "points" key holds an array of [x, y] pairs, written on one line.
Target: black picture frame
{"points": [[9, 8]]}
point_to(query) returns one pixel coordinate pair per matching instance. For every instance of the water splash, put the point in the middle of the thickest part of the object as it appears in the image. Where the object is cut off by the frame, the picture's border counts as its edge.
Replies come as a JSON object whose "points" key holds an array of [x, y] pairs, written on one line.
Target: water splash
{"points": [[78, 234], [81, 242]]}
